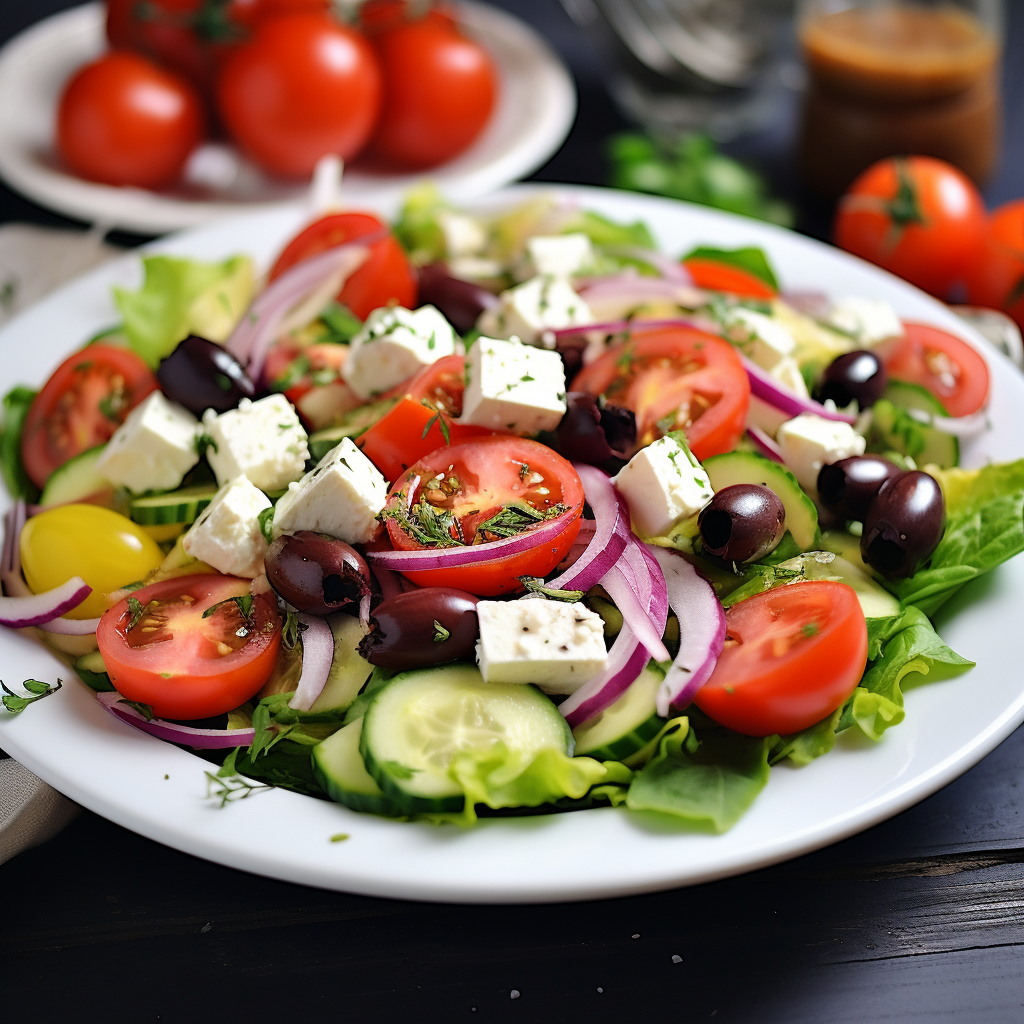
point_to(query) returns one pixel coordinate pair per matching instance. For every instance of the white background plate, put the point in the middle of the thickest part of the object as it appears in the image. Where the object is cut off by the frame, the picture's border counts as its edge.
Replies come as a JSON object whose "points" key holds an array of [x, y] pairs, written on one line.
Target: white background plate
{"points": [[535, 110], [120, 773]]}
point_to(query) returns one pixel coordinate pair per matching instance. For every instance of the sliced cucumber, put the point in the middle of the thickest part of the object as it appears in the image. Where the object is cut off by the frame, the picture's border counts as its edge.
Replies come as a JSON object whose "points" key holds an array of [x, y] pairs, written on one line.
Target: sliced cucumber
{"points": [[753, 468], [893, 430], [338, 767], [417, 724], [92, 670], [628, 725], [182, 506], [76, 479], [357, 422], [349, 671]]}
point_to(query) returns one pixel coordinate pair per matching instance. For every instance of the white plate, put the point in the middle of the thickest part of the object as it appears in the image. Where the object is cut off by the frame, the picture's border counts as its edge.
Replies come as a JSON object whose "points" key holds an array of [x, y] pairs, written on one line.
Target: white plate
{"points": [[157, 789], [535, 109]]}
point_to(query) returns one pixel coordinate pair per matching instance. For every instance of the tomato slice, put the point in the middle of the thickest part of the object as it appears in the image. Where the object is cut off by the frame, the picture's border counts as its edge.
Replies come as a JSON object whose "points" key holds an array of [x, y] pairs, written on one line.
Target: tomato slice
{"points": [[81, 405], [182, 660], [297, 370], [675, 378], [385, 277], [479, 479], [943, 363], [722, 277], [792, 656]]}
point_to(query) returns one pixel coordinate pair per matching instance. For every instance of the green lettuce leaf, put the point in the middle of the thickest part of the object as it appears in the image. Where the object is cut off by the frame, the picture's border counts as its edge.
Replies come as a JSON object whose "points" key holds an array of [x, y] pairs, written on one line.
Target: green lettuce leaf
{"points": [[751, 259], [604, 232], [984, 527], [803, 747], [180, 297], [709, 783], [16, 405], [418, 227]]}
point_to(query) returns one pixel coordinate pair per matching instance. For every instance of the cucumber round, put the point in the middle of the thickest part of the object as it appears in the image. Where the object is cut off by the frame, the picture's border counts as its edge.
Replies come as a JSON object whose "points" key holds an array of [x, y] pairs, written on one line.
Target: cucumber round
{"points": [[419, 721], [626, 726], [357, 422], [338, 767], [923, 443], [753, 468], [76, 479], [182, 506]]}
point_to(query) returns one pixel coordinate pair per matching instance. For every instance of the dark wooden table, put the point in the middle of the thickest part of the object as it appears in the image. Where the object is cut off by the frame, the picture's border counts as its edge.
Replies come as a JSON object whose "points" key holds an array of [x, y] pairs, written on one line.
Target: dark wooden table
{"points": [[919, 919]]}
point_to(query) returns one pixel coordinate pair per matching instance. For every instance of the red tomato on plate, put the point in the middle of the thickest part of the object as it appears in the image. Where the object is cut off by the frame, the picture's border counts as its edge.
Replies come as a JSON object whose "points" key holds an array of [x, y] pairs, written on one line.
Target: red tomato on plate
{"points": [[692, 377], [792, 656], [721, 277], [916, 216], [947, 366], [183, 664], [81, 405], [480, 478], [124, 121], [305, 86], [385, 277], [997, 278]]}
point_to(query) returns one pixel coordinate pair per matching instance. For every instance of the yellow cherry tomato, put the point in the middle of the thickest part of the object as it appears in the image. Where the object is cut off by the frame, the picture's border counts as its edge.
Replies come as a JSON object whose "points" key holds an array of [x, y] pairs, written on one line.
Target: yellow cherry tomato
{"points": [[106, 549]]}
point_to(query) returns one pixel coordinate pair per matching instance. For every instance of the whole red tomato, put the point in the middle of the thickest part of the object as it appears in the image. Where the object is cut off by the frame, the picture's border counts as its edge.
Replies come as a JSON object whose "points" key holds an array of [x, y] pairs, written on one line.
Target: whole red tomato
{"points": [[124, 121], [377, 16], [304, 87], [997, 278], [916, 216], [439, 91]]}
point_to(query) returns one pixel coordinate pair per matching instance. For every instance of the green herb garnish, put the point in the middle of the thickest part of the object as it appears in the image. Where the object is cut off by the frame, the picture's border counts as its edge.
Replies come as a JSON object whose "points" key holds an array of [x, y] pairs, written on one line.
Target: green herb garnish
{"points": [[15, 703]]}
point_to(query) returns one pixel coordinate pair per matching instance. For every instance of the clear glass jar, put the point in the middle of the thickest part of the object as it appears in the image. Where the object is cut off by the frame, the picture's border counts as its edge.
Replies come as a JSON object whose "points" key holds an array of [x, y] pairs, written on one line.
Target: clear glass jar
{"points": [[890, 77]]}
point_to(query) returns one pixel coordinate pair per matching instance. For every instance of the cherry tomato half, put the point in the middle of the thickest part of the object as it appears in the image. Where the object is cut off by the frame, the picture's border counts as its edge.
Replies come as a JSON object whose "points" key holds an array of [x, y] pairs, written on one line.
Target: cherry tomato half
{"points": [[184, 664], [81, 405], [675, 378], [916, 216], [997, 278], [792, 656], [479, 479], [124, 121], [947, 366], [721, 277], [305, 86], [385, 277]]}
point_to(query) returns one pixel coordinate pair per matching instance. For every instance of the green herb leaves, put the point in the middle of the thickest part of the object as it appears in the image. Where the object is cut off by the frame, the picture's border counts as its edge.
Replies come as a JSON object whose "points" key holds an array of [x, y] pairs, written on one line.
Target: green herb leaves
{"points": [[535, 585], [15, 703], [266, 522], [511, 520]]}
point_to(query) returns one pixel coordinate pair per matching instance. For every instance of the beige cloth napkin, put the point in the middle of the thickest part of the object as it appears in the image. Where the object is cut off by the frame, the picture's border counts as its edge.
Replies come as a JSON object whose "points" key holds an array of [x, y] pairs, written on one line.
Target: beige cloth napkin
{"points": [[33, 261]]}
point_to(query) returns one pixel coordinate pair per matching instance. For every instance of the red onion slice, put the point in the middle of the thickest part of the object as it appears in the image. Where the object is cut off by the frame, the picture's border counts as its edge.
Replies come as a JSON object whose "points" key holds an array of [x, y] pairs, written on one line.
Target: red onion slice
{"points": [[630, 285], [701, 631], [317, 655], [769, 390], [628, 598], [35, 609], [626, 660], [71, 627], [172, 732], [390, 582], [670, 269], [957, 426], [764, 444]]}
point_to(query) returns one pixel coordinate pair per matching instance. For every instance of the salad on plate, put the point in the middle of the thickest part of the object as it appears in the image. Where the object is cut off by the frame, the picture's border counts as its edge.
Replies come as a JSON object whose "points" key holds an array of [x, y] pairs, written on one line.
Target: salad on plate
{"points": [[501, 513]]}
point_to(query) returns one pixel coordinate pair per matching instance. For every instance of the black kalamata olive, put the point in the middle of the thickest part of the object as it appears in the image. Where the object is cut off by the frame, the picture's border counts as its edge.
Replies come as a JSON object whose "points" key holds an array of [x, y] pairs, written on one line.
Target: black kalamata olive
{"points": [[201, 375], [571, 348], [854, 377], [460, 301], [590, 434], [903, 525], [316, 573], [847, 487], [421, 628], [742, 523]]}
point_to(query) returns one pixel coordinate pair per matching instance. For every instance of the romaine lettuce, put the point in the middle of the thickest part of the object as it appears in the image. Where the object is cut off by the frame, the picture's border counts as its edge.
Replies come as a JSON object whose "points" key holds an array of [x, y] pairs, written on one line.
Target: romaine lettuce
{"points": [[16, 405]]}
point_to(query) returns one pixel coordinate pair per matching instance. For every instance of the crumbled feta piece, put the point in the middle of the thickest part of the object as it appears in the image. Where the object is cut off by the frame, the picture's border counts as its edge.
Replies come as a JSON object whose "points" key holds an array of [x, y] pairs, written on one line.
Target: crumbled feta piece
{"points": [[787, 372], [475, 268], [662, 484], [543, 303], [463, 235], [867, 321], [227, 534], [761, 339], [809, 442], [393, 345], [554, 645], [340, 497], [262, 440], [560, 255], [514, 387], [153, 449]]}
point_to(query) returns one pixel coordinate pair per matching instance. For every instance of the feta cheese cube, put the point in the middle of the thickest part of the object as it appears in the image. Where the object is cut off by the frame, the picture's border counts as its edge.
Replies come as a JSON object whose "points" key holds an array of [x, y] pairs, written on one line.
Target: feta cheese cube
{"points": [[867, 321], [393, 345], [809, 442], [463, 235], [475, 268], [227, 534], [760, 338], [262, 440], [554, 645], [543, 303], [560, 255], [662, 484], [340, 497], [154, 447], [514, 387], [787, 372]]}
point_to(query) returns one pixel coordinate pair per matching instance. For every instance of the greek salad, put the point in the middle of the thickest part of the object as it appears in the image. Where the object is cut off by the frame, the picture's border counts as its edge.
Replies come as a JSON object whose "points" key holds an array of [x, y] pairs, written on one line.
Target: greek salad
{"points": [[512, 513]]}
